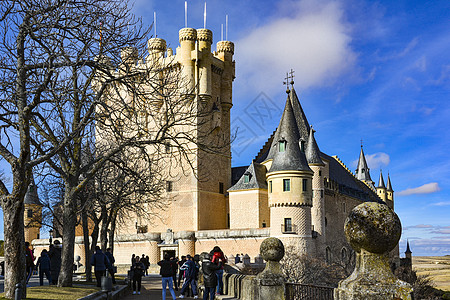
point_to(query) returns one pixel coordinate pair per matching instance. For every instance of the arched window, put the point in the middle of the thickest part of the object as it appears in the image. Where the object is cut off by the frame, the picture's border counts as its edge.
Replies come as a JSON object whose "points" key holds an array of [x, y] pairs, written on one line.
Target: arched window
{"points": [[328, 255]]}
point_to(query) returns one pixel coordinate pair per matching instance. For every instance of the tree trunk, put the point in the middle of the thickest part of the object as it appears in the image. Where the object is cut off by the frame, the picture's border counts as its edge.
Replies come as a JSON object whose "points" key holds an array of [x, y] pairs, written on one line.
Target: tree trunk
{"points": [[13, 210], [68, 238], [112, 232], [87, 250], [104, 229]]}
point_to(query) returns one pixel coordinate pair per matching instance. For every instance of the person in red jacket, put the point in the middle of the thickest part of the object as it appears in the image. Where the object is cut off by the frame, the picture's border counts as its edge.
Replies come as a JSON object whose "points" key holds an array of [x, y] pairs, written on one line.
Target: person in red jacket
{"points": [[29, 258], [216, 258]]}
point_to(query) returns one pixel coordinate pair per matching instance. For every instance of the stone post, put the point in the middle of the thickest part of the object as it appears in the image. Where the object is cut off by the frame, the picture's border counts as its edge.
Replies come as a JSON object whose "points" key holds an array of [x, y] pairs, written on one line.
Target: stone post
{"points": [[372, 229], [271, 281]]}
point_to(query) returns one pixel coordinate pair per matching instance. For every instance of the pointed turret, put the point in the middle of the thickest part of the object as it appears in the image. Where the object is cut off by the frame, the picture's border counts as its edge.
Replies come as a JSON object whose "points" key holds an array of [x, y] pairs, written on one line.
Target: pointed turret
{"points": [[381, 188], [381, 181], [312, 150], [287, 154], [362, 171], [389, 190], [408, 250]]}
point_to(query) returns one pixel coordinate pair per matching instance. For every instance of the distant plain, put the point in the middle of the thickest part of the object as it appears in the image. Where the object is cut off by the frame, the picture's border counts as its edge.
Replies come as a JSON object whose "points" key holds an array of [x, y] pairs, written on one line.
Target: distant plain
{"points": [[437, 267]]}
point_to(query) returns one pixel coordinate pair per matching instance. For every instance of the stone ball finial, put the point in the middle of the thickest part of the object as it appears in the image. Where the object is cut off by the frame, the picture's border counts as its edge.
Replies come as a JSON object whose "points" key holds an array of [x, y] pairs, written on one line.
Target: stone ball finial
{"points": [[373, 227], [272, 249]]}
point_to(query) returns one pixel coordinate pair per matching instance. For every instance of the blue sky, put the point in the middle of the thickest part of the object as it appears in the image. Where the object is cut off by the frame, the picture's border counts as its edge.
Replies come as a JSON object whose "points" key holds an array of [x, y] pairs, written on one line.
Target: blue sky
{"points": [[372, 70]]}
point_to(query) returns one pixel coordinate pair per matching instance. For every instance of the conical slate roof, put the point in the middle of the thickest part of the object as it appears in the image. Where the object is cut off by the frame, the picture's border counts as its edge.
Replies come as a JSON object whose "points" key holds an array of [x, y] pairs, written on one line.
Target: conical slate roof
{"points": [[292, 159], [381, 181], [407, 247], [389, 185], [301, 124], [31, 196], [257, 180], [362, 171], [312, 150]]}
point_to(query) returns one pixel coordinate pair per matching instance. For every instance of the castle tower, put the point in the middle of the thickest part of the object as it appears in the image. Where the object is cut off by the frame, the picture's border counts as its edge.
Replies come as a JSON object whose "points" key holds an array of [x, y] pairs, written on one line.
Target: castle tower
{"points": [[188, 39], [362, 171], [156, 48], [205, 38], [33, 214], [390, 191], [318, 203], [290, 186], [381, 188], [408, 253]]}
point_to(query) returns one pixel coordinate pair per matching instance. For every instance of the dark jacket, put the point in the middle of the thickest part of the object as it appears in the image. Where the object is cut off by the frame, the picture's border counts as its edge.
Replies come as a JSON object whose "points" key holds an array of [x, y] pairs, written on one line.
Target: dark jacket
{"points": [[190, 269], [138, 269], [110, 257], [43, 262], [55, 260], [100, 261], [209, 273], [166, 268]]}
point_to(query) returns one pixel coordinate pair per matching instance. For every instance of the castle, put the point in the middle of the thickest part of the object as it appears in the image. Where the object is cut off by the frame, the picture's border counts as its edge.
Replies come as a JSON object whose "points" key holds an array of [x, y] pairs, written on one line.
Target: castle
{"points": [[290, 190]]}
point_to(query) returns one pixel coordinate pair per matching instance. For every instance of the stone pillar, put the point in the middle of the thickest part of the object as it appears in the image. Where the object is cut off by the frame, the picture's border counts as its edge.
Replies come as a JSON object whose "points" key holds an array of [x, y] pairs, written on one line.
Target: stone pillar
{"points": [[271, 281], [153, 256], [372, 229]]}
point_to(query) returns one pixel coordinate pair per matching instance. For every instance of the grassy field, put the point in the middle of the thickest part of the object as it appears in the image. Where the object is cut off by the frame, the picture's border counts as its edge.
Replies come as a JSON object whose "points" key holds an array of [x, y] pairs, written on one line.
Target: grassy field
{"points": [[52, 292], [438, 267]]}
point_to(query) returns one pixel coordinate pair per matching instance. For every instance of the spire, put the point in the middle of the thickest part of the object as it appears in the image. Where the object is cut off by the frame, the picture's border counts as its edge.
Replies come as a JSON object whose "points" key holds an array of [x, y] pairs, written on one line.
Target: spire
{"points": [[389, 185], [312, 150], [408, 251], [285, 146], [381, 181], [300, 117], [362, 171]]}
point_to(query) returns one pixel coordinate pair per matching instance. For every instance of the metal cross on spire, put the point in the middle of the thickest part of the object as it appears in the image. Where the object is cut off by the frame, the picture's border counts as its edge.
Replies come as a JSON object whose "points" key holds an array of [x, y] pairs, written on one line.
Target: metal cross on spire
{"points": [[289, 80]]}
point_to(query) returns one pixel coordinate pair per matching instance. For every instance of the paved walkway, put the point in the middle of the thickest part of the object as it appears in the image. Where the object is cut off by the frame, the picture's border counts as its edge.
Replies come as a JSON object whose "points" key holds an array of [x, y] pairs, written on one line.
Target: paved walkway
{"points": [[151, 289]]}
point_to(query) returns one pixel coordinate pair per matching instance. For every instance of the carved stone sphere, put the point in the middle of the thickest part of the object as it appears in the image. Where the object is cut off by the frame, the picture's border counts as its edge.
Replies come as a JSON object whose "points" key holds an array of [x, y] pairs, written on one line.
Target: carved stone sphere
{"points": [[373, 227], [272, 249]]}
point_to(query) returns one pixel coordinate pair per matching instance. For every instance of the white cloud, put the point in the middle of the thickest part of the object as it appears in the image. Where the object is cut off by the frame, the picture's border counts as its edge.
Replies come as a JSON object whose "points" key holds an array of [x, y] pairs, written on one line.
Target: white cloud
{"points": [[377, 160], [428, 188], [313, 40], [443, 203]]}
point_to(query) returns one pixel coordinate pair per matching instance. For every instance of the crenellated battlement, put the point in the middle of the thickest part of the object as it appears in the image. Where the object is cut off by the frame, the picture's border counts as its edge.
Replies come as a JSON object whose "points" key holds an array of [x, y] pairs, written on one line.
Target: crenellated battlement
{"points": [[187, 34], [225, 46]]}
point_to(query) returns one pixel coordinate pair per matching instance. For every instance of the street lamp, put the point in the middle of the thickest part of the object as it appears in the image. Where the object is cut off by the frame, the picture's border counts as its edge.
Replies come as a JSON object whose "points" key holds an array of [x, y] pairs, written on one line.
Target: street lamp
{"points": [[50, 232]]}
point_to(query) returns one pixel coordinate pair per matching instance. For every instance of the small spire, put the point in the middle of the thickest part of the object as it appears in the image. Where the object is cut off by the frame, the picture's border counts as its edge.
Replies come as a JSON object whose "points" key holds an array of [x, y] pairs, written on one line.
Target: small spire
{"points": [[381, 181], [362, 171], [408, 250], [389, 185], [312, 150]]}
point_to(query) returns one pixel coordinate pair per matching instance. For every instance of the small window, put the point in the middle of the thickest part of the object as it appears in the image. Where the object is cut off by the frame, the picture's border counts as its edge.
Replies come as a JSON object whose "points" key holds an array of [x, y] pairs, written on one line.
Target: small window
{"points": [[142, 229], [221, 189], [302, 146], [29, 213], [320, 173], [282, 146], [328, 254], [246, 178], [321, 193], [169, 186], [305, 184], [286, 185], [264, 225], [326, 222], [228, 220], [270, 186], [288, 225]]}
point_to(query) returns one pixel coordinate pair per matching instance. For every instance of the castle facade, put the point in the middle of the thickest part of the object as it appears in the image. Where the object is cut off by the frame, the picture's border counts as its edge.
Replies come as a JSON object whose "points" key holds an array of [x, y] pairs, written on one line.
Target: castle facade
{"points": [[290, 190]]}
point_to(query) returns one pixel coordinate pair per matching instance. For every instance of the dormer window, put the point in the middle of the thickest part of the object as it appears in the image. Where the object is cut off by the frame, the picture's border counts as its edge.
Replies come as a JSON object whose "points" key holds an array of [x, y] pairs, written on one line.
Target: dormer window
{"points": [[282, 145], [247, 177], [302, 145]]}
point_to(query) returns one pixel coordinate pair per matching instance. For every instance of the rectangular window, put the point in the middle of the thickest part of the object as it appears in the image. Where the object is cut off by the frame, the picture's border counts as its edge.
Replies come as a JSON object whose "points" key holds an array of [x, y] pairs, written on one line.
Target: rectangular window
{"points": [[321, 193], [286, 185], [221, 189], [282, 146], [29, 213], [288, 225], [169, 186], [320, 173], [270, 186], [305, 184], [246, 178]]}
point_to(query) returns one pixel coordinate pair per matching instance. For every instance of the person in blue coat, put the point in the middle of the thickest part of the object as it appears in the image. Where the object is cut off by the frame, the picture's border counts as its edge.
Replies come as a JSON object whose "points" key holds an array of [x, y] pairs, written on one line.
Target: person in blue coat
{"points": [[190, 271], [100, 262], [43, 264]]}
